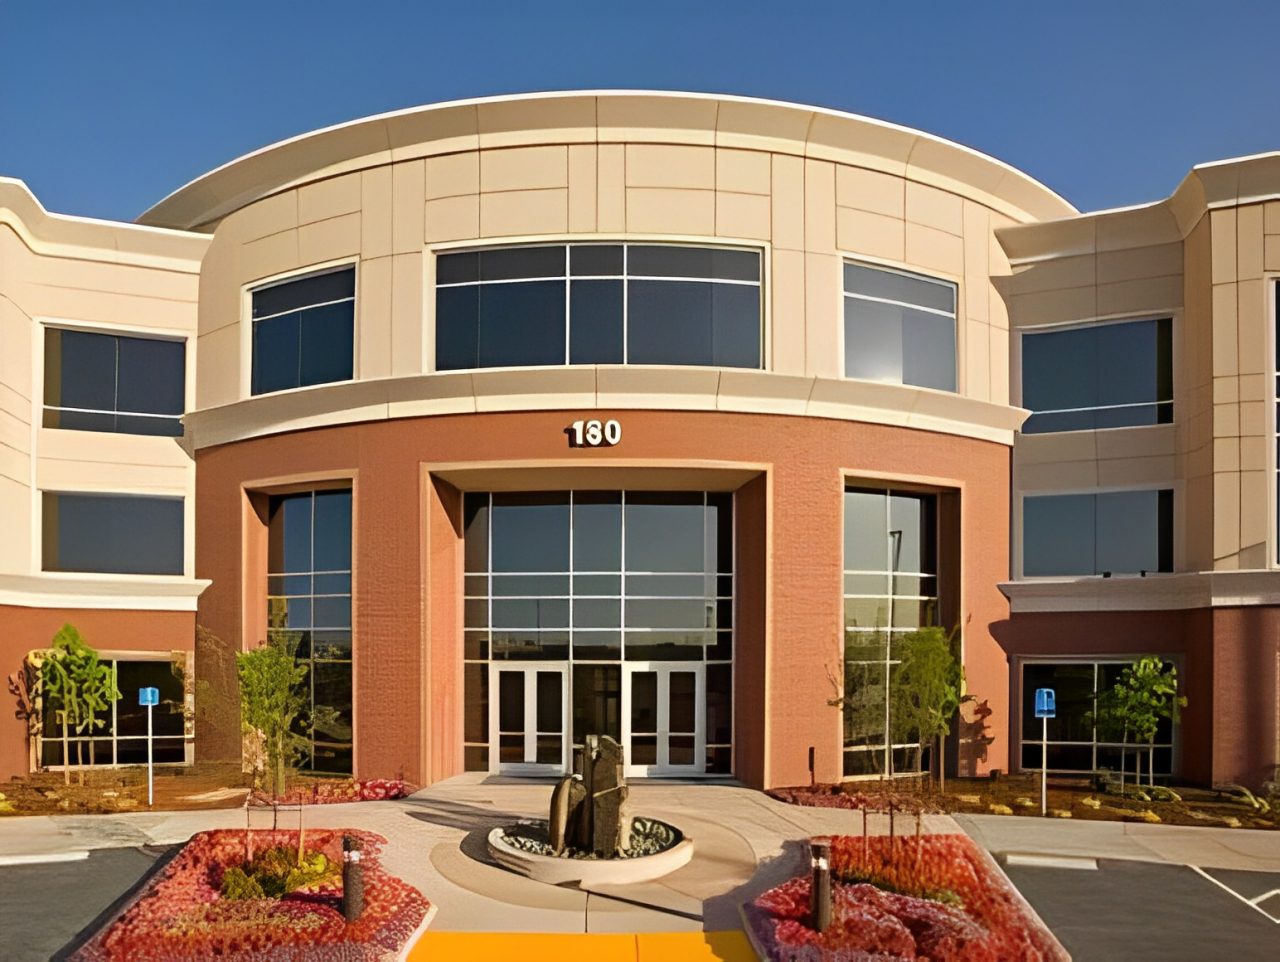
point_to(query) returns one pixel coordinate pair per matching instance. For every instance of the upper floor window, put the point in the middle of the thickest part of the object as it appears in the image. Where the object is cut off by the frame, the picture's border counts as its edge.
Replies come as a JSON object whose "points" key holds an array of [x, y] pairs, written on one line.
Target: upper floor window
{"points": [[126, 534], [113, 382], [899, 327], [1101, 376], [598, 304], [1126, 532], [304, 331]]}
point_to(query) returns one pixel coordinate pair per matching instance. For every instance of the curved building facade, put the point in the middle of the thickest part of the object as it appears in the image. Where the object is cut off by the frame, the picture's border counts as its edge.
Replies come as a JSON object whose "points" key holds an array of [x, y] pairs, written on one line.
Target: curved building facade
{"points": [[662, 416]]}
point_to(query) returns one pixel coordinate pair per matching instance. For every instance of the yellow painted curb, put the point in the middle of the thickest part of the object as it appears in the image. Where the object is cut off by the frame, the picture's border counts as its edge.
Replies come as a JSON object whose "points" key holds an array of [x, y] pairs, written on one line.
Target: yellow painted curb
{"points": [[589, 947]]}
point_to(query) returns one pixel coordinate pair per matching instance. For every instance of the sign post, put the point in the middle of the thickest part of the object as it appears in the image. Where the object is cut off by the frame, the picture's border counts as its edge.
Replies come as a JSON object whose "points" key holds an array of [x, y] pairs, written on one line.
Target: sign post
{"points": [[150, 697], [1046, 708]]}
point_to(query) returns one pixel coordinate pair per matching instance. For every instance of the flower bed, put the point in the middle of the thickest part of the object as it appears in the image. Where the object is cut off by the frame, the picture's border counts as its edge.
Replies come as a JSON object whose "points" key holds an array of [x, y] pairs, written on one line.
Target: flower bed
{"points": [[333, 791], [933, 897], [845, 796], [182, 914]]}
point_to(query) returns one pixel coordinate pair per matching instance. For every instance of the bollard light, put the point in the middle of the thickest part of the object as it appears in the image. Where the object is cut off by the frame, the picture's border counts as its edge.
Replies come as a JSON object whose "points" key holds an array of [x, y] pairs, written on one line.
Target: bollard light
{"points": [[820, 888]]}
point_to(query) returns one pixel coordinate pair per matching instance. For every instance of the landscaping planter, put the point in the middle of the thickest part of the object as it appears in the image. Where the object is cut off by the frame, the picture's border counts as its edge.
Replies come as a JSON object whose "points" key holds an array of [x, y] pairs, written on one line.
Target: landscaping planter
{"points": [[933, 897], [182, 915]]}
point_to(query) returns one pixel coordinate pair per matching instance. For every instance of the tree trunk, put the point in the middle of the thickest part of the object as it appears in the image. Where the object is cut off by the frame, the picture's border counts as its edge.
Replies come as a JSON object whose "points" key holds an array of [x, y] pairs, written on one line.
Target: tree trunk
{"points": [[66, 756], [941, 774], [80, 761], [1151, 763], [1124, 757]]}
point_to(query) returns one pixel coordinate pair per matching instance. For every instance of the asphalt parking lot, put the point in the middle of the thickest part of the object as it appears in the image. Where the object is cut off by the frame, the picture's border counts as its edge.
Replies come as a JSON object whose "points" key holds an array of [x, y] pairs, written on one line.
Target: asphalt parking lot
{"points": [[46, 909], [1128, 911]]}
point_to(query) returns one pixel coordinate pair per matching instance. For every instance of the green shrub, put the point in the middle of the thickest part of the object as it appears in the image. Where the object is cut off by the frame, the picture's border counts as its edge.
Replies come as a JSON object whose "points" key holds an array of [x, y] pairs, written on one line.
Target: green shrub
{"points": [[237, 885], [276, 872]]}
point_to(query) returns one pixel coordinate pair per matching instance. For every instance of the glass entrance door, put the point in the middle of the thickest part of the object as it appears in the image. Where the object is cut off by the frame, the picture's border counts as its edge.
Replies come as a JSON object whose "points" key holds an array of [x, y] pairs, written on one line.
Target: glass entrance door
{"points": [[664, 717], [528, 719]]}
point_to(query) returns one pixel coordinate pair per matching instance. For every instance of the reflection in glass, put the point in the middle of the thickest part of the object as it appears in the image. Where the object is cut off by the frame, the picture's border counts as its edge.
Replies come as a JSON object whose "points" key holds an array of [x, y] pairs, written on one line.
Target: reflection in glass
{"points": [[304, 331], [1125, 532], [113, 534], [899, 328]]}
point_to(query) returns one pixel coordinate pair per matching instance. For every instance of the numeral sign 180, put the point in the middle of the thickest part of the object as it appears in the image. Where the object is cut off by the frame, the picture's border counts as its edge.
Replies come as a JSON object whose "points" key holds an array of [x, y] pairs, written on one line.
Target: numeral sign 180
{"points": [[594, 434]]}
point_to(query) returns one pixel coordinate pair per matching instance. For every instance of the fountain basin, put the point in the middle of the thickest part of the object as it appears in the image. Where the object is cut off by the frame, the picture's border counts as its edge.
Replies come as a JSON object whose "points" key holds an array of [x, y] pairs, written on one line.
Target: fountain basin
{"points": [[585, 870]]}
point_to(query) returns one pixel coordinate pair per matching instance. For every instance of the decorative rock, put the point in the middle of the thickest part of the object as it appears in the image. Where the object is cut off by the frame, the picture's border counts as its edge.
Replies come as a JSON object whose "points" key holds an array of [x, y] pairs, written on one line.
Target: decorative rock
{"points": [[1091, 802], [969, 799], [1024, 802], [610, 828], [1159, 793], [567, 811], [6, 807], [1059, 813], [1225, 821], [998, 809], [110, 794], [1148, 816]]}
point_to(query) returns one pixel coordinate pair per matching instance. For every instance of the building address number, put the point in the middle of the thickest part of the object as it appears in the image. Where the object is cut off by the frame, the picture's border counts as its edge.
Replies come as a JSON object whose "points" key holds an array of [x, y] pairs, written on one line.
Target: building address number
{"points": [[594, 434]]}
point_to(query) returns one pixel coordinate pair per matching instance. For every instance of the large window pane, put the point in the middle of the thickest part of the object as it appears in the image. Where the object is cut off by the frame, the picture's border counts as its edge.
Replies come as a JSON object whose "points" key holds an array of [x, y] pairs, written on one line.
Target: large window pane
{"points": [[521, 324], [1103, 376], [520, 307], [113, 534], [1125, 532], [110, 382], [899, 328], [530, 532], [664, 532], [304, 332]]}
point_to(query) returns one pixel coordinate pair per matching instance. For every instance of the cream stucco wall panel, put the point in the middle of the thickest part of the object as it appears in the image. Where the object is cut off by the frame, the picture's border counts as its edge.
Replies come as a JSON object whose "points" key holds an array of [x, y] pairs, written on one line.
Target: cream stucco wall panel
{"points": [[819, 207], [823, 316], [977, 287], [787, 215], [657, 210], [583, 187], [452, 218], [787, 289], [374, 318], [505, 122], [329, 240], [15, 516], [274, 254], [661, 165], [742, 215], [377, 208], [408, 195], [934, 250], [218, 367], [871, 191], [453, 175], [408, 319], [1251, 327], [760, 126], [524, 212], [611, 188], [743, 171], [1225, 339], [329, 198], [524, 168], [680, 120], [871, 235]]}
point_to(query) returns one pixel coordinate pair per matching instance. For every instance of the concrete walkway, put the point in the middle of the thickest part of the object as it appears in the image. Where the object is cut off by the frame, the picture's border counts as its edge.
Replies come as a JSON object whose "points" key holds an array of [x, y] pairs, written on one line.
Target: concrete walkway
{"points": [[1217, 848]]}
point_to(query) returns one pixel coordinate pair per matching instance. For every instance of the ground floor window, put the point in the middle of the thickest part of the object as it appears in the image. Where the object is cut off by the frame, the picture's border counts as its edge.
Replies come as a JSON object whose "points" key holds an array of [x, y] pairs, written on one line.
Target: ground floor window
{"points": [[598, 612], [1074, 744], [309, 606], [121, 739], [890, 590]]}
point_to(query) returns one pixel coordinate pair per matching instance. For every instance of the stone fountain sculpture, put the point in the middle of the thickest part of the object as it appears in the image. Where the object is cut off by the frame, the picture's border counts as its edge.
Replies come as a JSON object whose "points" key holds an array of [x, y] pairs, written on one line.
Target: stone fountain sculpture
{"points": [[588, 812]]}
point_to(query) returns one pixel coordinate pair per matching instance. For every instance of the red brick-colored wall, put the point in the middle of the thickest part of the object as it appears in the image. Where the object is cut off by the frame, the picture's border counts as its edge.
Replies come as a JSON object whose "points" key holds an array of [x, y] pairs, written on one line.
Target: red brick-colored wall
{"points": [[1230, 670], [408, 665], [23, 629]]}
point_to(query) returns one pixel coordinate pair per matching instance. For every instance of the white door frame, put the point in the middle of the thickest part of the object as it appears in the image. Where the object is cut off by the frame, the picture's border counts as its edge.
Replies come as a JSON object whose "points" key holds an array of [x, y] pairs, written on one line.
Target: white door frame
{"points": [[530, 671], [663, 669]]}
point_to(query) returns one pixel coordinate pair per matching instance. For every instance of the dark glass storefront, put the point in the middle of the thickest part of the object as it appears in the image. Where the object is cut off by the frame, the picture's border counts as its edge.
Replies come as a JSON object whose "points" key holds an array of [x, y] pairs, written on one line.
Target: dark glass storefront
{"points": [[599, 612]]}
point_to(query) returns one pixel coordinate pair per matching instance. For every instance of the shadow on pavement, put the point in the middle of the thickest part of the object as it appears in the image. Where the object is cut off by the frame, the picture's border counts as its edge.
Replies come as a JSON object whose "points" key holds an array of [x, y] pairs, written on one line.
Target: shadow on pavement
{"points": [[118, 906]]}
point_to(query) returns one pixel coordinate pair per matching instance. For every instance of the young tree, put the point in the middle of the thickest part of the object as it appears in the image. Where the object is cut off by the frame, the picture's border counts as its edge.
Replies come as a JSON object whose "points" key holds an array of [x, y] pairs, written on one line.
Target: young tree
{"points": [[924, 690], [77, 685], [273, 702], [1145, 694]]}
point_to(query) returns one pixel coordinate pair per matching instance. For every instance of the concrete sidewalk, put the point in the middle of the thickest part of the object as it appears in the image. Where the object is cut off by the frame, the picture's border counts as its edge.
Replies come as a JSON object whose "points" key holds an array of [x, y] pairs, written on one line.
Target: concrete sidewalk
{"points": [[1225, 848]]}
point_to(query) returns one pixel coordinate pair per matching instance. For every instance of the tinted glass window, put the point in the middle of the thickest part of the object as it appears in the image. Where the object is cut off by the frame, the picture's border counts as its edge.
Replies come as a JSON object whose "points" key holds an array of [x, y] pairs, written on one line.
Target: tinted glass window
{"points": [[899, 328], [113, 534], [598, 304], [1125, 532], [111, 382], [309, 608], [304, 332], [1105, 376]]}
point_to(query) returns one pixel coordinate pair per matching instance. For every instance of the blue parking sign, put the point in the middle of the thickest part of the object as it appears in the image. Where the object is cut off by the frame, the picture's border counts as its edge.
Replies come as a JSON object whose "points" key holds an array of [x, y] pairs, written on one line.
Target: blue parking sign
{"points": [[148, 696], [1045, 707]]}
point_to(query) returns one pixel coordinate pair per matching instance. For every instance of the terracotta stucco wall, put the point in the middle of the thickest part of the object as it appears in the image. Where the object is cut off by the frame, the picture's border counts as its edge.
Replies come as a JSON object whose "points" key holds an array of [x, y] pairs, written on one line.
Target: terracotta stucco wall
{"points": [[408, 709], [22, 629]]}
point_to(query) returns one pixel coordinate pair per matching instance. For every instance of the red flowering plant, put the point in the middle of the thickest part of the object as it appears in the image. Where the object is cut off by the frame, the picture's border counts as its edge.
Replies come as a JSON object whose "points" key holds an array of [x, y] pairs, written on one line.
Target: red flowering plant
{"points": [[933, 897], [183, 915], [330, 791]]}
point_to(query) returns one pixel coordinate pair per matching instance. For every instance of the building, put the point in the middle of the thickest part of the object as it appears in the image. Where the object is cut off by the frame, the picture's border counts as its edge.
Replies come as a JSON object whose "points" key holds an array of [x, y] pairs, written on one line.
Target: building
{"points": [[658, 415]]}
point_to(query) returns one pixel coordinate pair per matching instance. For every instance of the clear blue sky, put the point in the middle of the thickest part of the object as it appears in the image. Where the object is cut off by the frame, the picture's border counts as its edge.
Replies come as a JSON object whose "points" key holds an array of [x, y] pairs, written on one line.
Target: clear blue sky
{"points": [[107, 105]]}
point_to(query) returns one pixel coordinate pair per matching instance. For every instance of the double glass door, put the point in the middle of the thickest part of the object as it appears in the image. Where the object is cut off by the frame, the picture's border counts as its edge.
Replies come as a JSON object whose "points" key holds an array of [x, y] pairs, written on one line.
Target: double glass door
{"points": [[528, 718], [663, 715], [662, 718]]}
